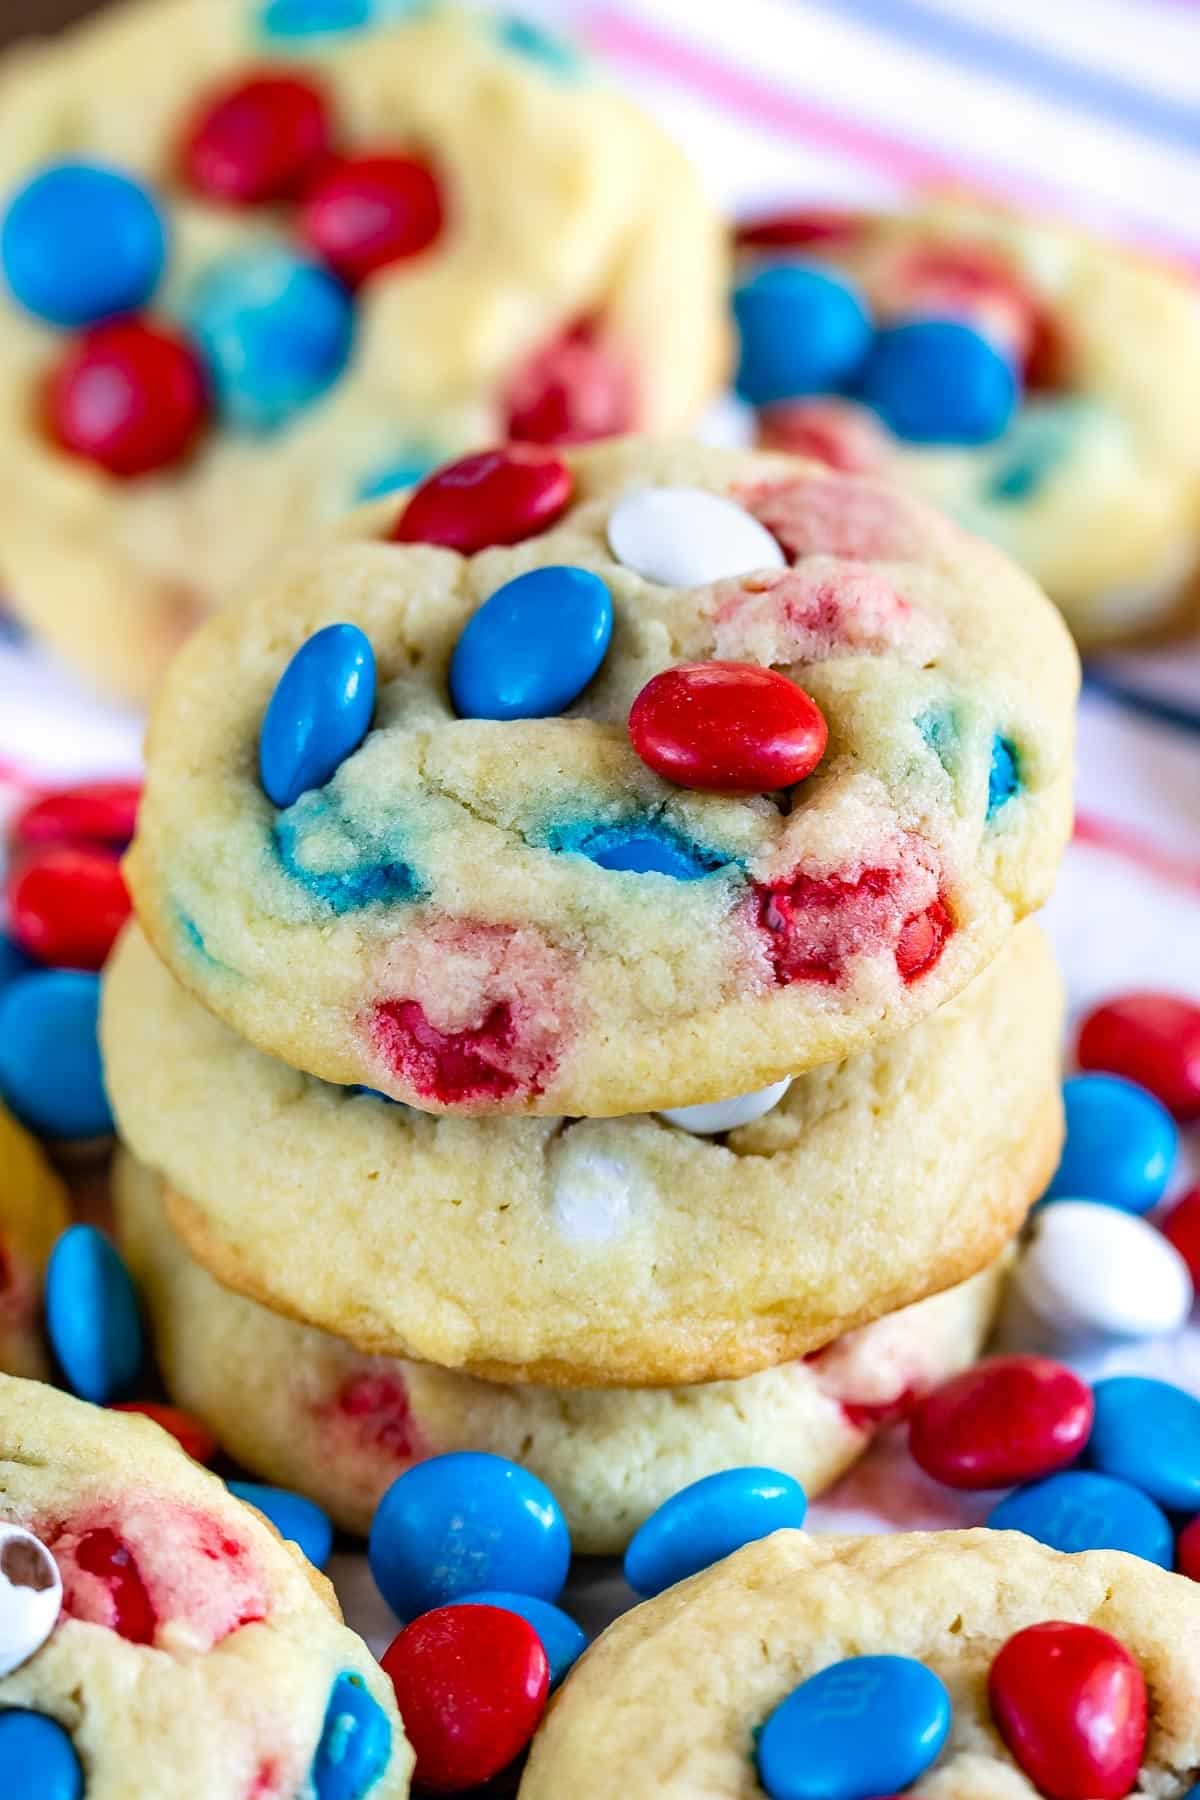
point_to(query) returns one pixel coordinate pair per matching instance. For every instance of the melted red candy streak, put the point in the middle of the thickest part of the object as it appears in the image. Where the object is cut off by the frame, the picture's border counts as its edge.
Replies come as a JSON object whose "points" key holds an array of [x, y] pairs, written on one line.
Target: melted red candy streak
{"points": [[94, 812], [838, 433], [452, 1067], [814, 924], [574, 389], [102, 1553], [1007, 1420], [873, 1415], [847, 516], [1070, 1703], [366, 213], [1153, 1039], [258, 140], [727, 727], [379, 1413], [66, 905], [130, 397], [493, 497]]}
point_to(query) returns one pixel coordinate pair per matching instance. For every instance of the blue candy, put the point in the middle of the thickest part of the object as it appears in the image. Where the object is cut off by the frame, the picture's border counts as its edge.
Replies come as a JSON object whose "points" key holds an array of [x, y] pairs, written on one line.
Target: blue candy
{"points": [[92, 1317], [81, 243], [50, 1071], [319, 713], [37, 1758], [1042, 436], [562, 1639], [1148, 1432], [1121, 1145], [1003, 774], [709, 1520], [385, 876], [936, 381], [356, 1743], [533, 646], [802, 331], [275, 331], [1079, 1510], [13, 961], [461, 1524], [865, 1726], [293, 1517], [526, 39], [402, 472], [325, 18], [639, 847]]}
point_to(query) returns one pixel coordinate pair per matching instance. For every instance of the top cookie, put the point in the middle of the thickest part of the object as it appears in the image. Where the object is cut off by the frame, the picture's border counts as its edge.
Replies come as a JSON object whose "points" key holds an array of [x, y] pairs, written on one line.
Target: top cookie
{"points": [[481, 881], [252, 271]]}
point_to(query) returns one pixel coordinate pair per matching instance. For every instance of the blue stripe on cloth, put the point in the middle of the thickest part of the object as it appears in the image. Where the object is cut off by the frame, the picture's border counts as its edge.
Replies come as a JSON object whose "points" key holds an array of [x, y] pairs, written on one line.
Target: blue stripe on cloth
{"points": [[1139, 700], [1026, 65]]}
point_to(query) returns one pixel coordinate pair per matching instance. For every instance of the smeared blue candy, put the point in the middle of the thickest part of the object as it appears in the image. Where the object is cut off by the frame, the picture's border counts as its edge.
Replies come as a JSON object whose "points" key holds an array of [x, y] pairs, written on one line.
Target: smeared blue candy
{"points": [[562, 1639], [1082, 1510], [709, 1520], [938, 381], [1121, 1145], [867, 1725], [533, 646], [82, 242], [1148, 1432], [639, 847], [524, 38], [384, 877], [319, 713], [402, 472], [92, 1317], [939, 727], [37, 1758], [50, 1071], [1004, 778], [330, 18], [293, 1517], [802, 330], [1039, 440], [356, 1743]]}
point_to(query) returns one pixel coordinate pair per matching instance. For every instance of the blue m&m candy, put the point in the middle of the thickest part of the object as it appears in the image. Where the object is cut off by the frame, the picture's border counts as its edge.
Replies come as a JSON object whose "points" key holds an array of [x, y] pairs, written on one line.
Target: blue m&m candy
{"points": [[1121, 1144], [92, 1317], [533, 646], [81, 243], [37, 1758], [1003, 776], [13, 961], [937, 381], [293, 1517], [1082, 1510], [638, 847], [461, 1524], [275, 331], [866, 1726], [802, 331], [1148, 1432], [326, 18], [319, 714], [50, 1071], [562, 1639], [709, 1520], [356, 1742]]}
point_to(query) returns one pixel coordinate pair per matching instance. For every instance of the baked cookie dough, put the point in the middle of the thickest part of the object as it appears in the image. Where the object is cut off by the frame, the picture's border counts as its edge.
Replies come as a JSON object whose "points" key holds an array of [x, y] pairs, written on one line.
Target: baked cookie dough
{"points": [[618, 1252], [33, 1211]]}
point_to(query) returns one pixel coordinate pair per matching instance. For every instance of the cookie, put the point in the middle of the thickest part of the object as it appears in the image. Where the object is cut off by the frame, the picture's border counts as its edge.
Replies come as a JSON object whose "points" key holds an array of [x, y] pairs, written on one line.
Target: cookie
{"points": [[33, 1210], [1090, 476], [310, 1413], [254, 274], [674, 1692], [793, 809], [620, 1252], [196, 1655]]}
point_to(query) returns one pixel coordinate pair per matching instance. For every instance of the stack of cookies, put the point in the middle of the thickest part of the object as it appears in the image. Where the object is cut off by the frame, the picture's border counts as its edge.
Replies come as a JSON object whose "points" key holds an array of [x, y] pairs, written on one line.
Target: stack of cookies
{"points": [[579, 1005]]}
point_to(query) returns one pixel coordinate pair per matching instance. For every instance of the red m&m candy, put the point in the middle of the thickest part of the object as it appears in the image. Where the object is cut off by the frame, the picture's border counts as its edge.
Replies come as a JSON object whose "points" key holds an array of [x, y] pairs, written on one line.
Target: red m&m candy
{"points": [[129, 397], [67, 904], [727, 727], [799, 228], [471, 1684], [93, 812], [572, 390], [493, 497], [188, 1431], [1181, 1227], [1008, 1419], [1187, 1550], [258, 140], [1153, 1039], [366, 212], [1070, 1703]]}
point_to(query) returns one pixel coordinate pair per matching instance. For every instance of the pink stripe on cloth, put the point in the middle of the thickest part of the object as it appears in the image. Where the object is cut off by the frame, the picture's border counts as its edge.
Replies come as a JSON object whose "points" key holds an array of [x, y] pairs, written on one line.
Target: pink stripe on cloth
{"points": [[1130, 846]]}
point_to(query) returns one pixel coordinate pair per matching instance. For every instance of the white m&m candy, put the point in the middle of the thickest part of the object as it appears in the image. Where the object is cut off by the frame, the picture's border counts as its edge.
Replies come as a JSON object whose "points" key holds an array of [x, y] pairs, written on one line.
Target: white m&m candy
{"points": [[1094, 1269], [685, 537], [714, 1116], [30, 1596]]}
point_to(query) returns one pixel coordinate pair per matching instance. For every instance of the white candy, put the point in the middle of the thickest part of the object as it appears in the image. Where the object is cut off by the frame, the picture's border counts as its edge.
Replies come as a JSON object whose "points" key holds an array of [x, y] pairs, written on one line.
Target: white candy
{"points": [[596, 1195], [30, 1596], [726, 1115], [684, 537], [1092, 1268]]}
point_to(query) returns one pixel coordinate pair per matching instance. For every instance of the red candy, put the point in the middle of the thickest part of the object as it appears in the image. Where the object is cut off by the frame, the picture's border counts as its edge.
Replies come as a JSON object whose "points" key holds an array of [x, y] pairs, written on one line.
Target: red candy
{"points": [[839, 433], [364, 213], [378, 1410], [66, 905], [1181, 1227], [1070, 1703], [493, 497], [190, 1432], [451, 1067], [1153, 1039], [471, 1684], [129, 397], [727, 727], [571, 391], [261, 139], [1187, 1550], [94, 812], [814, 924], [799, 229], [1007, 1420]]}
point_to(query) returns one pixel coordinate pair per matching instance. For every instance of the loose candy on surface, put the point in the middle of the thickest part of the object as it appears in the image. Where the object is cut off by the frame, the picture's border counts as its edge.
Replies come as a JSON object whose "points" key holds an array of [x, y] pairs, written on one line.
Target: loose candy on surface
{"points": [[1121, 1144], [13, 962], [92, 1317], [1150, 1038], [471, 1684], [1070, 1703], [355, 1745], [1187, 1550], [30, 1597], [259, 139], [727, 727], [67, 904], [1009, 1419], [362, 214], [684, 537], [709, 1520], [863, 1727], [495, 497], [1147, 1432], [82, 242], [37, 1757], [801, 329], [1081, 1509], [533, 646], [90, 812], [131, 398], [711, 1118], [1093, 1269], [456, 1524], [319, 713], [561, 1638], [50, 1070], [190, 1433], [294, 1517], [938, 381], [1181, 1228]]}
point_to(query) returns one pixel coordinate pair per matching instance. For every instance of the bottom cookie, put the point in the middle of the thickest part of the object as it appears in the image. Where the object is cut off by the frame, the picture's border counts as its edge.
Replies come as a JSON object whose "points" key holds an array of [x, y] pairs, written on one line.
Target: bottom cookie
{"points": [[33, 1210], [306, 1410]]}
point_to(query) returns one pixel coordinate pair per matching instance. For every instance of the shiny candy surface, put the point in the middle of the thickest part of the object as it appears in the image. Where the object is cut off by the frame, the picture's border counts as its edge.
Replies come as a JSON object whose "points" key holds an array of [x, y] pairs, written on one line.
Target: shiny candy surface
{"points": [[1070, 1703], [1008, 1419], [319, 714], [1090, 1268], [1121, 1144], [708, 1521], [67, 904], [533, 646], [1083, 1510], [299, 1520], [1153, 1039], [714, 1116], [1148, 1432], [801, 331], [37, 1757], [562, 1639], [493, 497], [130, 397], [365, 213], [684, 537], [865, 1726], [50, 1073], [82, 242], [92, 1315], [257, 140], [30, 1596], [464, 1522], [356, 1743], [937, 381], [190, 1433], [1181, 1228], [1187, 1550], [727, 727], [471, 1684], [93, 812]]}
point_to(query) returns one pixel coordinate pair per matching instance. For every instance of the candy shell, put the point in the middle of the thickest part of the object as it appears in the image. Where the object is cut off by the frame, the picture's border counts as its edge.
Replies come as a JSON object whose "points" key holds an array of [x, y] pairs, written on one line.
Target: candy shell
{"points": [[1181, 1228], [50, 1071], [461, 1523], [1121, 1144], [1003, 777], [190, 1433], [319, 714], [684, 537], [868, 1725], [1008, 1419], [1147, 1432], [802, 330], [533, 646], [37, 1757], [13, 962], [259, 139], [131, 398], [90, 812], [562, 1639], [493, 497], [356, 1743], [1090, 1268], [937, 381], [727, 727], [1187, 1550], [1070, 1703], [30, 1596], [799, 228], [366, 213], [709, 1520], [82, 242], [712, 1117], [299, 1520], [67, 904], [92, 1317], [1150, 1038], [1082, 1510]]}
